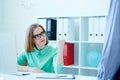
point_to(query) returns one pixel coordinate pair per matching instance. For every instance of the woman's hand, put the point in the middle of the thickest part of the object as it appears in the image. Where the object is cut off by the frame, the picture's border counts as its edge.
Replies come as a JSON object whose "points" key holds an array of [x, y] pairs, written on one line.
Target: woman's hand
{"points": [[35, 70], [61, 43], [29, 69]]}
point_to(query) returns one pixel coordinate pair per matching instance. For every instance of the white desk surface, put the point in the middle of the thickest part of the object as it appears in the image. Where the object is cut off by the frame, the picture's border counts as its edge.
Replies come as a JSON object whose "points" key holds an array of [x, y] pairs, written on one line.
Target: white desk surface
{"points": [[32, 76]]}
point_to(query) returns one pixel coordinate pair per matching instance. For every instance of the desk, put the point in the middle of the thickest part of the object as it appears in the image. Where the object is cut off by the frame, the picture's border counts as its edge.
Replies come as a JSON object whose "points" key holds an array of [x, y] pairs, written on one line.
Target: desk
{"points": [[32, 76]]}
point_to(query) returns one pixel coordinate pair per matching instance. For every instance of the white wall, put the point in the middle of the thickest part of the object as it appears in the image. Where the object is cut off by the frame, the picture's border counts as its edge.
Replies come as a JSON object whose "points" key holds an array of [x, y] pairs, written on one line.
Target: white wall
{"points": [[19, 14], [0, 13]]}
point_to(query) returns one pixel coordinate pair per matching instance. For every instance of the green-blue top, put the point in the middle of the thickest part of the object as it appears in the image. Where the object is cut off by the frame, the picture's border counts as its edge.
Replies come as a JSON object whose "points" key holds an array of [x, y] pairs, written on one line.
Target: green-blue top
{"points": [[44, 59]]}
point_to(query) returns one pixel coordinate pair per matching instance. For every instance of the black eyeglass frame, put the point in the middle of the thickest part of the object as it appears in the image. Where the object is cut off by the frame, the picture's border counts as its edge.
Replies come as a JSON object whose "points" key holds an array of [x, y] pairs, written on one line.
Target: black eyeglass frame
{"points": [[38, 36]]}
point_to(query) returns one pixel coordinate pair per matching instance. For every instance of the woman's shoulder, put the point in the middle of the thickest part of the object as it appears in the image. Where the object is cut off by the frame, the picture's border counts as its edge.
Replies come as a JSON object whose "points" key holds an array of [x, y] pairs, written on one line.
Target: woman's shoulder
{"points": [[22, 52]]}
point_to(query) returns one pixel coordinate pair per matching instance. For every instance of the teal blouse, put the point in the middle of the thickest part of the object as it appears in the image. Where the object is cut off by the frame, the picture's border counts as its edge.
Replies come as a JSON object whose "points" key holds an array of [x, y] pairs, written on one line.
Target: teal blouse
{"points": [[44, 59]]}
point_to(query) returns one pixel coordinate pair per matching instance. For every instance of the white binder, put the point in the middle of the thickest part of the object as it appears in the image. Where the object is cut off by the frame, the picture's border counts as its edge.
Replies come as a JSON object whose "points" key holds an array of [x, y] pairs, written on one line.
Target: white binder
{"points": [[71, 29], [60, 28], [91, 29], [65, 29], [96, 29], [102, 28]]}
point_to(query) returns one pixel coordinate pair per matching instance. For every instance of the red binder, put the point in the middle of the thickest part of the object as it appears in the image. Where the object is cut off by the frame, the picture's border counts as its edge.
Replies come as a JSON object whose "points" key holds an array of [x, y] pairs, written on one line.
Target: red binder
{"points": [[68, 54]]}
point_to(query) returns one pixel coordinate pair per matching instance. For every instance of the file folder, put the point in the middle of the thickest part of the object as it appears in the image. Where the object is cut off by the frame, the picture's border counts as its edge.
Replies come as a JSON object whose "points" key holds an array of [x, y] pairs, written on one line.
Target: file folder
{"points": [[60, 28], [91, 29], [97, 29], [51, 29], [68, 53], [102, 28]]}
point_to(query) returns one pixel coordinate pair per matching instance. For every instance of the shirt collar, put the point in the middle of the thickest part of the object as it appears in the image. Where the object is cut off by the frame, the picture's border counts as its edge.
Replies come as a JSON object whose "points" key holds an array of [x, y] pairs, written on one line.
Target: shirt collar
{"points": [[40, 52]]}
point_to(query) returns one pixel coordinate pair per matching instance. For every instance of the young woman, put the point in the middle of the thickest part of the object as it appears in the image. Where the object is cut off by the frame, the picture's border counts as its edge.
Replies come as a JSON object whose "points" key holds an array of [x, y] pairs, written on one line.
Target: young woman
{"points": [[38, 56]]}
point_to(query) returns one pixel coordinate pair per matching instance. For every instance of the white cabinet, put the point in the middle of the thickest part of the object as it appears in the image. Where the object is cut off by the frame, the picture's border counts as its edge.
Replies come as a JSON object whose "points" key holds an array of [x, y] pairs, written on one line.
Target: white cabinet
{"points": [[87, 34]]}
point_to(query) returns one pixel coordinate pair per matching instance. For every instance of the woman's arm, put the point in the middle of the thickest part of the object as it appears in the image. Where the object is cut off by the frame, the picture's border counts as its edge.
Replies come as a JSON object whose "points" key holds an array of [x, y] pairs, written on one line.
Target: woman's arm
{"points": [[29, 69], [25, 68], [22, 62], [59, 59]]}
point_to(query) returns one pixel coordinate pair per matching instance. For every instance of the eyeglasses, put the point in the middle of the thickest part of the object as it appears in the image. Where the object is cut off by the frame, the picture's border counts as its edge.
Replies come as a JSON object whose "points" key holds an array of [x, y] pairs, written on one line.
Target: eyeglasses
{"points": [[38, 36]]}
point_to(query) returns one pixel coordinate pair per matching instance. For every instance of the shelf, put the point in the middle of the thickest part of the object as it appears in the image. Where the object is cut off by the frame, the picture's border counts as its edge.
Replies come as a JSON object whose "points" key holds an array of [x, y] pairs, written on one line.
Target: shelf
{"points": [[91, 41], [87, 34], [73, 41], [86, 67], [71, 66], [52, 41], [91, 52]]}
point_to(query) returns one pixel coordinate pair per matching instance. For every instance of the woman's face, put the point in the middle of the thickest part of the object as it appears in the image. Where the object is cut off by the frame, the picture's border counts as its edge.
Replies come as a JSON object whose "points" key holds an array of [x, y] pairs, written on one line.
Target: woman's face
{"points": [[39, 37]]}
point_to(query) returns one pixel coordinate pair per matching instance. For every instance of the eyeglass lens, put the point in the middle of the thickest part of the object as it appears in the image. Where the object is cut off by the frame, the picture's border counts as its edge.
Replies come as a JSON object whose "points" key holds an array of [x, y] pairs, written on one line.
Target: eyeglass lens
{"points": [[38, 36]]}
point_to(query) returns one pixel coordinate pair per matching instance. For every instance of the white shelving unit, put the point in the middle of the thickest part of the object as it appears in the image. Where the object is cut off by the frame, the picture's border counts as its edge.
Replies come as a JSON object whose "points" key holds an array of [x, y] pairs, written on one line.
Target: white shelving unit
{"points": [[87, 34]]}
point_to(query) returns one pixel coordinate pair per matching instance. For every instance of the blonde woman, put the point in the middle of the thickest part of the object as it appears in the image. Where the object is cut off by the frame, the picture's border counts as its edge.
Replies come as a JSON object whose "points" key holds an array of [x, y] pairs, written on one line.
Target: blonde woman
{"points": [[38, 56]]}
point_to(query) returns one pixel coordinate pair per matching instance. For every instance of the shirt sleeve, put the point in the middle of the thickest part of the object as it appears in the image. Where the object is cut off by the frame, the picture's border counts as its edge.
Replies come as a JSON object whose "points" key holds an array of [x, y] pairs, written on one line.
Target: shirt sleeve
{"points": [[58, 68], [21, 58]]}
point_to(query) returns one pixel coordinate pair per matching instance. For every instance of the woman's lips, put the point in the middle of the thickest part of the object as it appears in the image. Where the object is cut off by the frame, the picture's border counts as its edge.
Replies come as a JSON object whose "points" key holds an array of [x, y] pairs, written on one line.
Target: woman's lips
{"points": [[42, 40]]}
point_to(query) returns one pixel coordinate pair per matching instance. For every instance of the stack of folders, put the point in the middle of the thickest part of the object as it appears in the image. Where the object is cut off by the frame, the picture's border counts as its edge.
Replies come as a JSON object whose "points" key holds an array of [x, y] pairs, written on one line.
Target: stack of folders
{"points": [[65, 29], [55, 76], [97, 27]]}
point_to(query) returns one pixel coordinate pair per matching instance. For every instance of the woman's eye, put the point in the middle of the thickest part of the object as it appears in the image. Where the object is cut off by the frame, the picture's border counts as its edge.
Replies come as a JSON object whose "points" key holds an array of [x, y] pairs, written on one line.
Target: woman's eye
{"points": [[37, 35]]}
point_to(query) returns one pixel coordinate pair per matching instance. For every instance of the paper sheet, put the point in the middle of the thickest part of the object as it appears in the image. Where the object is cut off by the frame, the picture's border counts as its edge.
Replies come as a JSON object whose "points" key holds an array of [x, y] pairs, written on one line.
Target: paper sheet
{"points": [[55, 76]]}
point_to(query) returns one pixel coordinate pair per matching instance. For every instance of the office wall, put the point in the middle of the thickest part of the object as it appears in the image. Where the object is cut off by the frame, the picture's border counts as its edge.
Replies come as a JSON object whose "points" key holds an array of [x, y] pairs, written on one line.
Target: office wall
{"points": [[19, 14], [0, 13], [0, 10]]}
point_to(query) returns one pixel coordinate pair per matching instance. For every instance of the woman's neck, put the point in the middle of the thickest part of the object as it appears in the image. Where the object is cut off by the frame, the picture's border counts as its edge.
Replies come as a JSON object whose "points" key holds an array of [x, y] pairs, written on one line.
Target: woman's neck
{"points": [[40, 47]]}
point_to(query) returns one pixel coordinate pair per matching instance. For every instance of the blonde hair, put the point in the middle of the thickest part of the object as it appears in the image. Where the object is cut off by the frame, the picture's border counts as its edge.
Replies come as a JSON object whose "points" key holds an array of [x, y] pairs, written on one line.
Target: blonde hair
{"points": [[29, 44]]}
